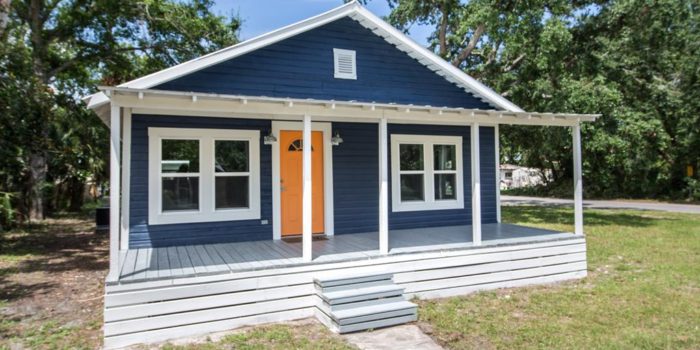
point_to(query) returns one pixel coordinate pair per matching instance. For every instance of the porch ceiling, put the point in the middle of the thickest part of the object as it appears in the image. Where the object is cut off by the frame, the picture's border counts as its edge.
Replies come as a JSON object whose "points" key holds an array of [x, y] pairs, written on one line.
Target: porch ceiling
{"points": [[207, 104], [200, 260]]}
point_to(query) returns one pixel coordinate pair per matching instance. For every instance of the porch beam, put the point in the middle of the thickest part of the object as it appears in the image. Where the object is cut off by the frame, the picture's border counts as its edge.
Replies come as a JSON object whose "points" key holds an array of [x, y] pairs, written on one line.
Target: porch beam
{"points": [[383, 187], [114, 184], [476, 184], [307, 247], [578, 180]]}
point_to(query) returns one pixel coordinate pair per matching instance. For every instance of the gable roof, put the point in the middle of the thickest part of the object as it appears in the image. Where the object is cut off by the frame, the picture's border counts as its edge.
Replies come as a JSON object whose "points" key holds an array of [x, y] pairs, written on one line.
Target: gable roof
{"points": [[359, 14]]}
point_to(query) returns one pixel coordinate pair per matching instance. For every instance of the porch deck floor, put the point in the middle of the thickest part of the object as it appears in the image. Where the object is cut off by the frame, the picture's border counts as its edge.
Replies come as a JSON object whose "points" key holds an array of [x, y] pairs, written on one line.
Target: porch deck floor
{"points": [[207, 259]]}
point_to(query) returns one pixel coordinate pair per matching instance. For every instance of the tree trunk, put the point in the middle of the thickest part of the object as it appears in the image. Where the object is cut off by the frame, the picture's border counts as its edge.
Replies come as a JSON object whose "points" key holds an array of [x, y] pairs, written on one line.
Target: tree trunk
{"points": [[37, 178]]}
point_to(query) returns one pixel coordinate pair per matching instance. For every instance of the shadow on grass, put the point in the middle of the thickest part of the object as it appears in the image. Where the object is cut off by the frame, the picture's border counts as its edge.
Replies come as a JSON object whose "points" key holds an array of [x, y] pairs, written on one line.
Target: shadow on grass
{"points": [[52, 246], [555, 215]]}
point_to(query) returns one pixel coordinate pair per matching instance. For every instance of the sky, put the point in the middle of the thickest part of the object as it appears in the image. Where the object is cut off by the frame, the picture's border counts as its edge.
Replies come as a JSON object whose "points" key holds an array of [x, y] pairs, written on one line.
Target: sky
{"points": [[262, 16]]}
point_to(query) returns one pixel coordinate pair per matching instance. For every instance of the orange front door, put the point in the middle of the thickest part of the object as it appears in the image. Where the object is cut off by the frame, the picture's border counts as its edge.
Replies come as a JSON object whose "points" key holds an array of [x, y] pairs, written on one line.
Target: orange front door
{"points": [[291, 182]]}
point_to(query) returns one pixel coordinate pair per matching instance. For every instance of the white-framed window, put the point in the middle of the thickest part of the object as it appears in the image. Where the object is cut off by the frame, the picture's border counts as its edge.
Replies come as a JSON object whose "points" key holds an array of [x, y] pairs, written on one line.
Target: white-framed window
{"points": [[203, 175], [426, 172]]}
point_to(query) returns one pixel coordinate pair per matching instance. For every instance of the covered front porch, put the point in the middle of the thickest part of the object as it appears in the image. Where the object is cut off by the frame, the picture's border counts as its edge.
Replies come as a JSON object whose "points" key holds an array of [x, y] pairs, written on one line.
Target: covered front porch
{"points": [[148, 264]]}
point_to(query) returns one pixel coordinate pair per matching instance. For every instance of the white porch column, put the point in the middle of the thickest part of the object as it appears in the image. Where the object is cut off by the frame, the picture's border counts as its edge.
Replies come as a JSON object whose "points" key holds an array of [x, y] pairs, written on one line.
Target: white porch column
{"points": [[578, 180], [476, 184], [114, 179], [126, 177], [498, 172], [307, 253], [383, 188]]}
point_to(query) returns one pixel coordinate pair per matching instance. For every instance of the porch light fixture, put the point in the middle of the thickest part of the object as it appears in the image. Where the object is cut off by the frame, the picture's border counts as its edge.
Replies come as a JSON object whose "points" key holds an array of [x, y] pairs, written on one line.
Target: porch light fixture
{"points": [[269, 139], [336, 140]]}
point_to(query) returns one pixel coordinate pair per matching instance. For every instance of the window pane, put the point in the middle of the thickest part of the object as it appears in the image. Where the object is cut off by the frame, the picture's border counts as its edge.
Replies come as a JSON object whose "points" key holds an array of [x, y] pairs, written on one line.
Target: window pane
{"points": [[231, 156], [411, 157], [412, 187], [231, 192], [445, 157], [445, 186], [180, 193], [180, 156]]}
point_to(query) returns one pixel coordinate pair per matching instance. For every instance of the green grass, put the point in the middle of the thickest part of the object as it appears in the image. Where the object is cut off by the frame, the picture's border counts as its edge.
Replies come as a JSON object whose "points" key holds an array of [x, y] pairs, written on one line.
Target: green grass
{"points": [[642, 292]]}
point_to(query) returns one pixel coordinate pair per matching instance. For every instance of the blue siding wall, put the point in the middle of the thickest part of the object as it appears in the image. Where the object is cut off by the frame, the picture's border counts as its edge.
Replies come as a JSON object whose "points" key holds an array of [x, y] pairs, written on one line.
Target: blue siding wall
{"points": [[488, 174], [356, 178], [302, 67], [143, 235], [355, 173]]}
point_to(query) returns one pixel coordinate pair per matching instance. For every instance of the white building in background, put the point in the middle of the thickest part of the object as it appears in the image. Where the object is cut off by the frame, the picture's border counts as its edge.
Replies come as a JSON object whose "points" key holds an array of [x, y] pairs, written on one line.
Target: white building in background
{"points": [[515, 176]]}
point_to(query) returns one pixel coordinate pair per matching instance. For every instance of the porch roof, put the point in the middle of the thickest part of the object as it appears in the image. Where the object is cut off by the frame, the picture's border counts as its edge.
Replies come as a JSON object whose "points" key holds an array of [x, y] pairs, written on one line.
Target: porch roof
{"points": [[209, 104]]}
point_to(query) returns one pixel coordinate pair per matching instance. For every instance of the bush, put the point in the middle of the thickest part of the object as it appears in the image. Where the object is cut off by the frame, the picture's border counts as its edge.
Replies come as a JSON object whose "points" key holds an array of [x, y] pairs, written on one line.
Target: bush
{"points": [[7, 213]]}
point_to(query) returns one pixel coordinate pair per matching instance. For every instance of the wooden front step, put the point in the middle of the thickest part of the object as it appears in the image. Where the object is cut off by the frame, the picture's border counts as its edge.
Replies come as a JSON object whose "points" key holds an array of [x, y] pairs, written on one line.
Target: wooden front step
{"points": [[361, 302]]}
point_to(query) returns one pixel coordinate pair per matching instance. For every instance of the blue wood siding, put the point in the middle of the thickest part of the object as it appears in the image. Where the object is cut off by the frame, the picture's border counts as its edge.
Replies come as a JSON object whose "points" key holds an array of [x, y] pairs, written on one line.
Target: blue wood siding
{"points": [[488, 174], [302, 67], [143, 235], [355, 187], [356, 178]]}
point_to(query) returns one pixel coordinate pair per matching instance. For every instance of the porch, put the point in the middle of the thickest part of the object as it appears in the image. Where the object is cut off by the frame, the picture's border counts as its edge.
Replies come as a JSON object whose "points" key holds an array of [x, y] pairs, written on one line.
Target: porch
{"points": [[148, 264]]}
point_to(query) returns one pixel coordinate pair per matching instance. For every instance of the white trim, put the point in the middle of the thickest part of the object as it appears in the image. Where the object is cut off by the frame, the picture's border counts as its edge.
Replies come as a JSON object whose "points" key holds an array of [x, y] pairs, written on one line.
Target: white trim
{"points": [[497, 146], [326, 128], [475, 152], [307, 207], [352, 10], [206, 174], [261, 107], [337, 53], [126, 177], [578, 180], [427, 141], [383, 187], [114, 191]]}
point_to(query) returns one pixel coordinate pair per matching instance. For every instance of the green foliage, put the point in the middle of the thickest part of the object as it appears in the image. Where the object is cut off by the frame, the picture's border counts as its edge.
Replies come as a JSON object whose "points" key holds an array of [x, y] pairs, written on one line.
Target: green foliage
{"points": [[53, 52], [7, 213], [636, 62]]}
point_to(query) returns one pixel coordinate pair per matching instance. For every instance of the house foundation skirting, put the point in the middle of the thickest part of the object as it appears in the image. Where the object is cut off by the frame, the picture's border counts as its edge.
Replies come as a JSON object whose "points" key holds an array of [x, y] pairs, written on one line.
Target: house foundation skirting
{"points": [[156, 311]]}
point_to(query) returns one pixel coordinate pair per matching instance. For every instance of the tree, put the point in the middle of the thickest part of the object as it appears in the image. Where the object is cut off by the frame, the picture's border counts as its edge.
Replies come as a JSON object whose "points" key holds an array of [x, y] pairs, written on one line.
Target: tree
{"points": [[57, 50], [634, 61]]}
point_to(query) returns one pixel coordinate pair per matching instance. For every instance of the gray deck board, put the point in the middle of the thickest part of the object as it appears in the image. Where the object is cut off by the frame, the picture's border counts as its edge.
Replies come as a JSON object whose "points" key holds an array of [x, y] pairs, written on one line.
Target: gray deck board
{"points": [[198, 266], [168, 262]]}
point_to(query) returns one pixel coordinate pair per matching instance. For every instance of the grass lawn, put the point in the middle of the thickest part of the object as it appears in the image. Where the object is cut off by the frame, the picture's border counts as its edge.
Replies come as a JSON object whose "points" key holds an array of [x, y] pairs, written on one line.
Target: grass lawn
{"points": [[642, 290]]}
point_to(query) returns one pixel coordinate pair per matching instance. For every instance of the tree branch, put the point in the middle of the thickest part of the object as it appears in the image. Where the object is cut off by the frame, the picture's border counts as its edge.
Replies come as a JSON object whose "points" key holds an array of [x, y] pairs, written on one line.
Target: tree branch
{"points": [[442, 32], [514, 64], [478, 32]]}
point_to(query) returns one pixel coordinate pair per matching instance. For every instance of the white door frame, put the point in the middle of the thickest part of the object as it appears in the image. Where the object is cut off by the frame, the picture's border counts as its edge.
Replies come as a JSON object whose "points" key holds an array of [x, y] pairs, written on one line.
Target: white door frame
{"points": [[326, 128]]}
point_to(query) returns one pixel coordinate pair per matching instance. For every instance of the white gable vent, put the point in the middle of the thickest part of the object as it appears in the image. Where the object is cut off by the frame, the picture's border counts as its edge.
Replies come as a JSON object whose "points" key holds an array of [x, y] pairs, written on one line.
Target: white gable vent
{"points": [[344, 64]]}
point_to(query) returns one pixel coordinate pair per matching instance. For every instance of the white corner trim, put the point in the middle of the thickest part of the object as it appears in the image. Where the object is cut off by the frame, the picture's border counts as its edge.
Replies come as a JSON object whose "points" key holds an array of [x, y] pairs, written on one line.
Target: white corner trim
{"points": [[497, 142], [206, 211], [126, 178], [354, 11], [326, 128], [428, 141]]}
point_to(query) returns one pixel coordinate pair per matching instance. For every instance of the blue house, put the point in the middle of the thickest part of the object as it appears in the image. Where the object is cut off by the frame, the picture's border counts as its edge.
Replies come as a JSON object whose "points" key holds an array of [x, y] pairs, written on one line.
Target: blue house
{"points": [[331, 168]]}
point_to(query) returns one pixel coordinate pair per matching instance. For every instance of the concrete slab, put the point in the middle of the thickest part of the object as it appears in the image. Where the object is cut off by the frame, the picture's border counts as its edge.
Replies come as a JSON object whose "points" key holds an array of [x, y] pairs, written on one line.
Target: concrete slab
{"points": [[404, 337]]}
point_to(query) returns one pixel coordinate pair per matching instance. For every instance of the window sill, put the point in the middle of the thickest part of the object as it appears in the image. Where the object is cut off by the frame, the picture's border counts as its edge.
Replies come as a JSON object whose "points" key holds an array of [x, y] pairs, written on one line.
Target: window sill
{"points": [[427, 206], [199, 217]]}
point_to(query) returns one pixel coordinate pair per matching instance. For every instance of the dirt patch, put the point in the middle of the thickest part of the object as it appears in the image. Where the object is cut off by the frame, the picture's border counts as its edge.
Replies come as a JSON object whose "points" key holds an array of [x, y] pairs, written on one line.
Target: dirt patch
{"points": [[51, 285]]}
